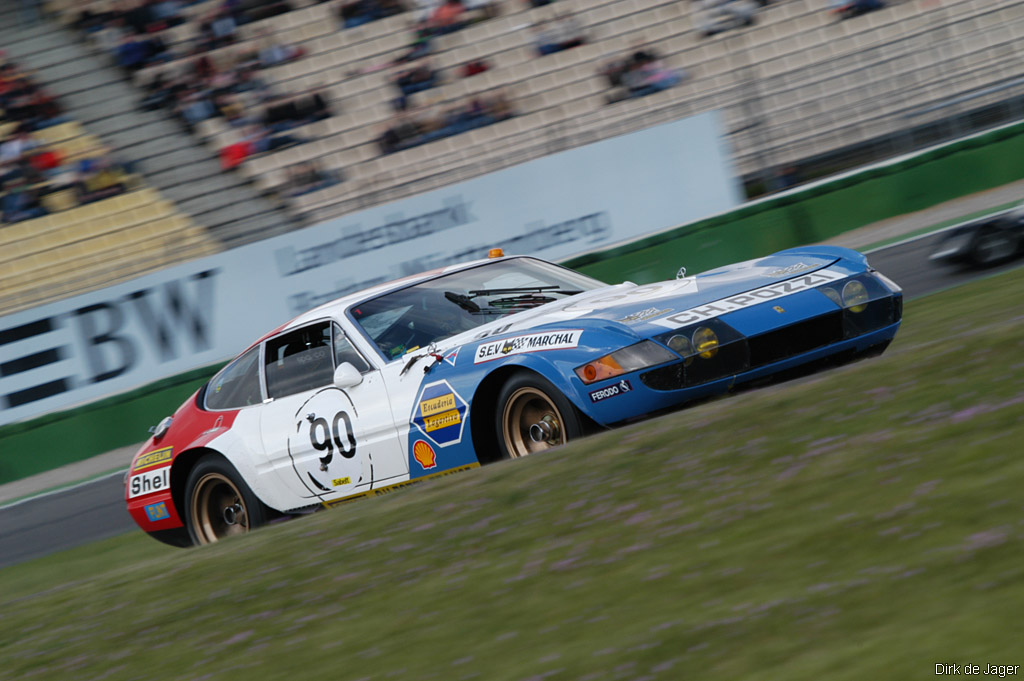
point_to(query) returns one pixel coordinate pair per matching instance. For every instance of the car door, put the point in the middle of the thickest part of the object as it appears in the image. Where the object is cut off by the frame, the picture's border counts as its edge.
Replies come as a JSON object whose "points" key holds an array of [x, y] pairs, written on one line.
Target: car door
{"points": [[326, 442]]}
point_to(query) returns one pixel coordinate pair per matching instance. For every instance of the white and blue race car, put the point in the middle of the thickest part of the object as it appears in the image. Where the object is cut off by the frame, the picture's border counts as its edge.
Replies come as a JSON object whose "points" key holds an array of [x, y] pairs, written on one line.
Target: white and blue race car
{"points": [[479, 362]]}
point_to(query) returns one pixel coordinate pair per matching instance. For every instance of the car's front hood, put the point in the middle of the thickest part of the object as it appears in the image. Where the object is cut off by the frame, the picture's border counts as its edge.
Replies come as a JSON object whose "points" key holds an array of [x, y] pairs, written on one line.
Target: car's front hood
{"points": [[631, 305]]}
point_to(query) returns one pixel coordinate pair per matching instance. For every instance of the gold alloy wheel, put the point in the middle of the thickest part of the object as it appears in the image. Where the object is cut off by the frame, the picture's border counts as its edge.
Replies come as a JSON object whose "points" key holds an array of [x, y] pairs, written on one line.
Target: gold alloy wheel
{"points": [[531, 423], [218, 509]]}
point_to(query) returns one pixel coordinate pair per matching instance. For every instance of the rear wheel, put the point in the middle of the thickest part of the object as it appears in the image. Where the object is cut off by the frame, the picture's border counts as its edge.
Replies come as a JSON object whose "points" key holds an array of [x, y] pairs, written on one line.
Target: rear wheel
{"points": [[533, 416], [218, 503]]}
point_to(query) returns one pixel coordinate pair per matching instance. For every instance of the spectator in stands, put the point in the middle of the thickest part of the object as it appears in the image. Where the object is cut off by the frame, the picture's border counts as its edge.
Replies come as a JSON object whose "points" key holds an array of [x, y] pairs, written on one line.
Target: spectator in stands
{"points": [[721, 15], [231, 108], [304, 178], [846, 9], [416, 78], [271, 53], [20, 202], [265, 139], [256, 10], [135, 52], [545, 39], [22, 100], [643, 73], [358, 12], [425, 125], [217, 29], [194, 106], [99, 178], [313, 106], [475, 66], [283, 113], [17, 146], [64, 177], [30, 169], [559, 34], [447, 18], [140, 17]]}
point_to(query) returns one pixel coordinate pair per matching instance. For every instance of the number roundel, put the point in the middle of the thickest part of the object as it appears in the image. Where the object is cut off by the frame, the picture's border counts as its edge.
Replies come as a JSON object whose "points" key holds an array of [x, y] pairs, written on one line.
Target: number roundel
{"points": [[327, 438], [323, 445]]}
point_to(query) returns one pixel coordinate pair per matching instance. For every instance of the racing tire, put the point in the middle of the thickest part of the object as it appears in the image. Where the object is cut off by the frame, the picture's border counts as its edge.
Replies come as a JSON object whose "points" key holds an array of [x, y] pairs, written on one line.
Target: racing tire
{"points": [[533, 416], [218, 503]]}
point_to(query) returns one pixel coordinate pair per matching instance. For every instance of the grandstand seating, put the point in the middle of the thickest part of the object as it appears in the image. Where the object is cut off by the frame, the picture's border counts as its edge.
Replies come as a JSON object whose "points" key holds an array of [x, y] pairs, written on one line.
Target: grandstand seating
{"points": [[795, 85], [94, 245], [78, 248], [810, 75]]}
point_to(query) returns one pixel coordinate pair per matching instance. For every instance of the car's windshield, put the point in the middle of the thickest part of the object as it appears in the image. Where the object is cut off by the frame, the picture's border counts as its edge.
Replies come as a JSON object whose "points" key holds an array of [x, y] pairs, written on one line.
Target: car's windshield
{"points": [[425, 313]]}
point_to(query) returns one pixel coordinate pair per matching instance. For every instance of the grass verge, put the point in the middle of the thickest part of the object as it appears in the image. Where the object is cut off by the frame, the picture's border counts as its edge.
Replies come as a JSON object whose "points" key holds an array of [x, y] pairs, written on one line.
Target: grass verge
{"points": [[863, 523]]}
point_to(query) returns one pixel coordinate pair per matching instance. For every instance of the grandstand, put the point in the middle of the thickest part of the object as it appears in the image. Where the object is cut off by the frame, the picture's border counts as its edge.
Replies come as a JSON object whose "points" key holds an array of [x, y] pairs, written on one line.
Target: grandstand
{"points": [[796, 88], [797, 84], [77, 248]]}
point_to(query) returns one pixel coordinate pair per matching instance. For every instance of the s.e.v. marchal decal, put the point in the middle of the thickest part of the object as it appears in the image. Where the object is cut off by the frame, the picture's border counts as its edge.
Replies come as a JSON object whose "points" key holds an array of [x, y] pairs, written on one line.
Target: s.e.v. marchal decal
{"points": [[533, 342]]}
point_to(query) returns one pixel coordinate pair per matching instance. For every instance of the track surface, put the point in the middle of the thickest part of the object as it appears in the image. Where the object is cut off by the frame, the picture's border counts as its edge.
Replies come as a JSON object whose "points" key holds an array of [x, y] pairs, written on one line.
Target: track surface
{"points": [[96, 510]]}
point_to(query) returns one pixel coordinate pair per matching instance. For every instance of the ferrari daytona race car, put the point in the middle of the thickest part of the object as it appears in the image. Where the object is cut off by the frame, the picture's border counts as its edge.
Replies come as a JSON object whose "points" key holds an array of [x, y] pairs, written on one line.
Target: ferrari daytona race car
{"points": [[488, 360]]}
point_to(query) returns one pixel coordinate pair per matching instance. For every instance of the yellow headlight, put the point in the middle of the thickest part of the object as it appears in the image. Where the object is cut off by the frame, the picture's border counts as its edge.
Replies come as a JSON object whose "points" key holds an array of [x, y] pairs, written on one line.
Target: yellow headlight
{"points": [[706, 342], [855, 296]]}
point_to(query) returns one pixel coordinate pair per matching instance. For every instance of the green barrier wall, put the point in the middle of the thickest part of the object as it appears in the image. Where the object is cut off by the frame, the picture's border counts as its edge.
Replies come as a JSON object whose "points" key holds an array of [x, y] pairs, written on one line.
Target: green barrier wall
{"points": [[64, 437], [811, 215], [818, 213]]}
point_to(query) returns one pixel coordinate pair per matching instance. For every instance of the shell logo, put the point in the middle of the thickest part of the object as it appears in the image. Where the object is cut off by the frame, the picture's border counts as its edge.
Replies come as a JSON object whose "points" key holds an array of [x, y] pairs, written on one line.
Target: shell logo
{"points": [[424, 454]]}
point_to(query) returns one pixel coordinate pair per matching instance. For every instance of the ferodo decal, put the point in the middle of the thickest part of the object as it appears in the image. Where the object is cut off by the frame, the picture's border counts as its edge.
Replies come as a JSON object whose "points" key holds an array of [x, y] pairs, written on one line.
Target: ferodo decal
{"points": [[440, 414], [424, 454], [452, 356], [153, 459], [533, 342], [750, 298], [157, 512], [156, 480], [620, 388]]}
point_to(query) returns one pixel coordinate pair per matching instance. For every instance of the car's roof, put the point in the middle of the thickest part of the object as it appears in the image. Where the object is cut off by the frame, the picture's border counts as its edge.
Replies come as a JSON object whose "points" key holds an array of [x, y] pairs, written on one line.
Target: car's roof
{"points": [[336, 308]]}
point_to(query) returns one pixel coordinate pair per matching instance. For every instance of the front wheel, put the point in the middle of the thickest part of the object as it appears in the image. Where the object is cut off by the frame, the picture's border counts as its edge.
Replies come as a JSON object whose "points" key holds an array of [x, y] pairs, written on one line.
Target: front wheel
{"points": [[218, 503], [533, 416]]}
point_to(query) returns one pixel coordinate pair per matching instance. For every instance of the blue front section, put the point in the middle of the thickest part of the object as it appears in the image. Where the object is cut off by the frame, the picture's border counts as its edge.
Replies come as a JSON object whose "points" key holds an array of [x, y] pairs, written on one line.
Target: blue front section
{"points": [[775, 309], [642, 400], [789, 310]]}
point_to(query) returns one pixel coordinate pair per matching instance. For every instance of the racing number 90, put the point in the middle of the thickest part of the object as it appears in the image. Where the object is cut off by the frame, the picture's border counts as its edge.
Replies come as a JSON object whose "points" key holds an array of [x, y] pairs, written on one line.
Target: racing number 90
{"points": [[331, 438]]}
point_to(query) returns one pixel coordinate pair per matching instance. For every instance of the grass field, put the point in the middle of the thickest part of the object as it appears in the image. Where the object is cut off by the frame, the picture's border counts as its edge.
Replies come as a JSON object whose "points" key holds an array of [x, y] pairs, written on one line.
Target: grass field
{"points": [[865, 523]]}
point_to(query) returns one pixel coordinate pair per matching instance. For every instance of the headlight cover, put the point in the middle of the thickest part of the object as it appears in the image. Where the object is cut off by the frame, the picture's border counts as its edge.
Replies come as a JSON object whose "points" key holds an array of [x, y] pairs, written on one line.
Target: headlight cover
{"points": [[638, 356], [868, 302], [854, 293]]}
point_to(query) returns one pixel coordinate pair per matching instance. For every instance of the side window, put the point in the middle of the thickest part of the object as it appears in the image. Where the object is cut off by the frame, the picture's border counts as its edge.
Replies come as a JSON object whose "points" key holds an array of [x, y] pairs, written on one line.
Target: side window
{"points": [[344, 351], [237, 385], [299, 360]]}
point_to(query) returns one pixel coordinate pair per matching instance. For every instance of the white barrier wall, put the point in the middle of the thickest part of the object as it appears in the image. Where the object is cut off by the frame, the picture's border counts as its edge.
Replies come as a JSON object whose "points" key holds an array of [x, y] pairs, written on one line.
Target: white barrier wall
{"points": [[168, 322]]}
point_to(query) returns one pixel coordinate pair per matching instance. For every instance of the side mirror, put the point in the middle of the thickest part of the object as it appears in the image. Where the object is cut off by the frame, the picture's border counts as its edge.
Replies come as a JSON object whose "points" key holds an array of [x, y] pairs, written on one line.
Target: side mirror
{"points": [[347, 376]]}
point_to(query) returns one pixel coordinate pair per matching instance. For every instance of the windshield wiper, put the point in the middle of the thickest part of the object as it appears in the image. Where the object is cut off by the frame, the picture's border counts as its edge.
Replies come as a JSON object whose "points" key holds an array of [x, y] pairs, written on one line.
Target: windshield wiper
{"points": [[463, 301], [500, 306], [513, 302], [522, 289]]}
